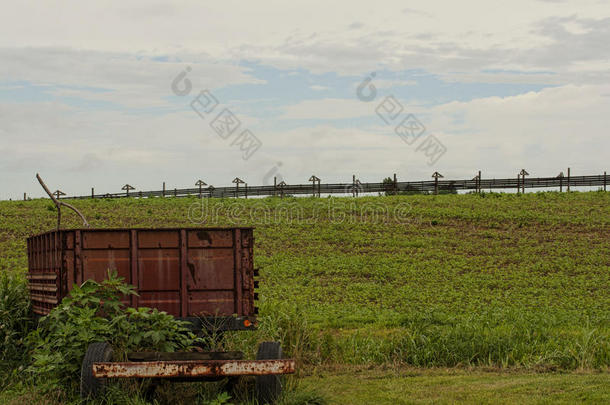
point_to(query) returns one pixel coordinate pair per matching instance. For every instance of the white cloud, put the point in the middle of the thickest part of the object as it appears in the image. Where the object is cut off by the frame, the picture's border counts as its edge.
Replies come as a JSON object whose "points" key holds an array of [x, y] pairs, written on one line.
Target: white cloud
{"points": [[349, 37], [128, 80], [544, 131], [389, 84], [317, 87], [328, 108], [133, 50]]}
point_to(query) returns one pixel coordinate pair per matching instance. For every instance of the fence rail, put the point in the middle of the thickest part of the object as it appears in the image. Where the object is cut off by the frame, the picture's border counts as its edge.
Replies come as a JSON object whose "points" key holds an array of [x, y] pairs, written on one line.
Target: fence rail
{"points": [[355, 187]]}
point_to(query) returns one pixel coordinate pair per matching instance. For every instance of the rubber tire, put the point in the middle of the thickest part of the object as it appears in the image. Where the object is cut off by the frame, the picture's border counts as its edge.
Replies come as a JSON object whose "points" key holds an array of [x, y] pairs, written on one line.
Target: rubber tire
{"points": [[91, 387], [268, 387]]}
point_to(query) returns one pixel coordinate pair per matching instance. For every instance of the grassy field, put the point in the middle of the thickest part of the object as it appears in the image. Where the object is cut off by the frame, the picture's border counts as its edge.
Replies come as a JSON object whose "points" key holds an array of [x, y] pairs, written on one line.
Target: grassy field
{"points": [[452, 386], [459, 281]]}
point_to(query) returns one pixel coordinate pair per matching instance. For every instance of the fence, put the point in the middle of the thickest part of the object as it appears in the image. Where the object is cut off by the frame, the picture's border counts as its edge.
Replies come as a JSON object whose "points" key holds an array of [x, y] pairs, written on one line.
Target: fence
{"points": [[390, 186]]}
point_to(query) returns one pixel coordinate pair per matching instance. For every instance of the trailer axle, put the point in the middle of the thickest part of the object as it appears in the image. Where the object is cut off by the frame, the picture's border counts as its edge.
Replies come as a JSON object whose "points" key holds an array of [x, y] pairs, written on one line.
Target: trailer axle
{"points": [[192, 368]]}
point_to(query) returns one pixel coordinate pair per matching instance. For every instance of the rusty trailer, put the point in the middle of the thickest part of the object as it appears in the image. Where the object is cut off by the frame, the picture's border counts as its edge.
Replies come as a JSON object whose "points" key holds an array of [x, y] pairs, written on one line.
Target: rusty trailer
{"points": [[203, 275], [186, 272]]}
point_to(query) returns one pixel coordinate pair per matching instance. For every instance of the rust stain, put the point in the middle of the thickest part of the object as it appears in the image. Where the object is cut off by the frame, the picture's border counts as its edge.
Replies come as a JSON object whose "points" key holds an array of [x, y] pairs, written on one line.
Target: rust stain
{"points": [[191, 267], [204, 235], [193, 368]]}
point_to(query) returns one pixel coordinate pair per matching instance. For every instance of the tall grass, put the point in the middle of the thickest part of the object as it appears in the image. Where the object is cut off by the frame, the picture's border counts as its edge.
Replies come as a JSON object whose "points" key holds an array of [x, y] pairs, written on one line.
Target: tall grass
{"points": [[487, 339]]}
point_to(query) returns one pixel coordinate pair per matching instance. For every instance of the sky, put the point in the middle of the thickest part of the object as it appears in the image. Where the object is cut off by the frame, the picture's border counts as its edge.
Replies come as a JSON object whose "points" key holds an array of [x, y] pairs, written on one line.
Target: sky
{"points": [[144, 92]]}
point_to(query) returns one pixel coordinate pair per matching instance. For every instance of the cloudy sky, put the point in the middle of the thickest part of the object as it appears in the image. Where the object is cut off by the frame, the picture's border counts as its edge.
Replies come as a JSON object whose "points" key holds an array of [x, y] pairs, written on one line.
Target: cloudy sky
{"points": [[143, 92]]}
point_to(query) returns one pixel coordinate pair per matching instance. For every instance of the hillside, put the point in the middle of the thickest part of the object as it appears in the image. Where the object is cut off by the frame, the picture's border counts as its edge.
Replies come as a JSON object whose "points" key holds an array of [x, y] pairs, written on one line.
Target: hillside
{"points": [[491, 268], [417, 281]]}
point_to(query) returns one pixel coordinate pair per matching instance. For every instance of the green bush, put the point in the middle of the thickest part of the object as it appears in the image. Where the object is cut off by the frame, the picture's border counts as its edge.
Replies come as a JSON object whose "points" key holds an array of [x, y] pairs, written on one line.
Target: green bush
{"points": [[15, 321], [91, 313]]}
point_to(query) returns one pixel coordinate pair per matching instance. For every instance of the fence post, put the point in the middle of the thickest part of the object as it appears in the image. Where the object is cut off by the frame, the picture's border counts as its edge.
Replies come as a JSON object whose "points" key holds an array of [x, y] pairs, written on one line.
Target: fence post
{"points": [[275, 186], [568, 187], [605, 181], [523, 173], [246, 190], [314, 180], [477, 182], [127, 188], [200, 183], [560, 176], [353, 185], [237, 182], [281, 186], [518, 183], [395, 184], [25, 197], [163, 189], [436, 176]]}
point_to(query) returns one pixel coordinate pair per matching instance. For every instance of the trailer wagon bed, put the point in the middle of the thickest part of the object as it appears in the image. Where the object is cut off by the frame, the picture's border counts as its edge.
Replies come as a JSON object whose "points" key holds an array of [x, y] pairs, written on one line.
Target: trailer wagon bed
{"points": [[203, 275]]}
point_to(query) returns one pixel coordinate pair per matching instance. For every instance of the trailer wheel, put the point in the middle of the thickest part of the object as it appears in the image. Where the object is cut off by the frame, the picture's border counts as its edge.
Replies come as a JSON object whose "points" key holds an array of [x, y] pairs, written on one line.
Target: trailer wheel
{"points": [[268, 387], [89, 385]]}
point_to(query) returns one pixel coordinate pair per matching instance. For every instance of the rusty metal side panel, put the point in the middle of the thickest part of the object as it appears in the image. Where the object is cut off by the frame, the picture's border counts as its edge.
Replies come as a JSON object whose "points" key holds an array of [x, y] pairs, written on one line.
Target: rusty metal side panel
{"points": [[158, 239], [112, 239], [134, 263], [158, 270], [220, 272], [211, 281], [247, 266], [192, 368], [204, 238], [78, 258], [211, 303], [184, 296], [186, 272], [44, 271], [168, 301], [239, 279], [210, 269], [96, 263], [68, 260], [103, 251], [158, 276]]}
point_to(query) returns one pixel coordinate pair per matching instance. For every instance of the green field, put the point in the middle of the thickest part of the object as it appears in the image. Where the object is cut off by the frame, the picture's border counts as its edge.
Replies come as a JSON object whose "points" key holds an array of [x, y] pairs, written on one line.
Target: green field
{"points": [[501, 281], [407, 386]]}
